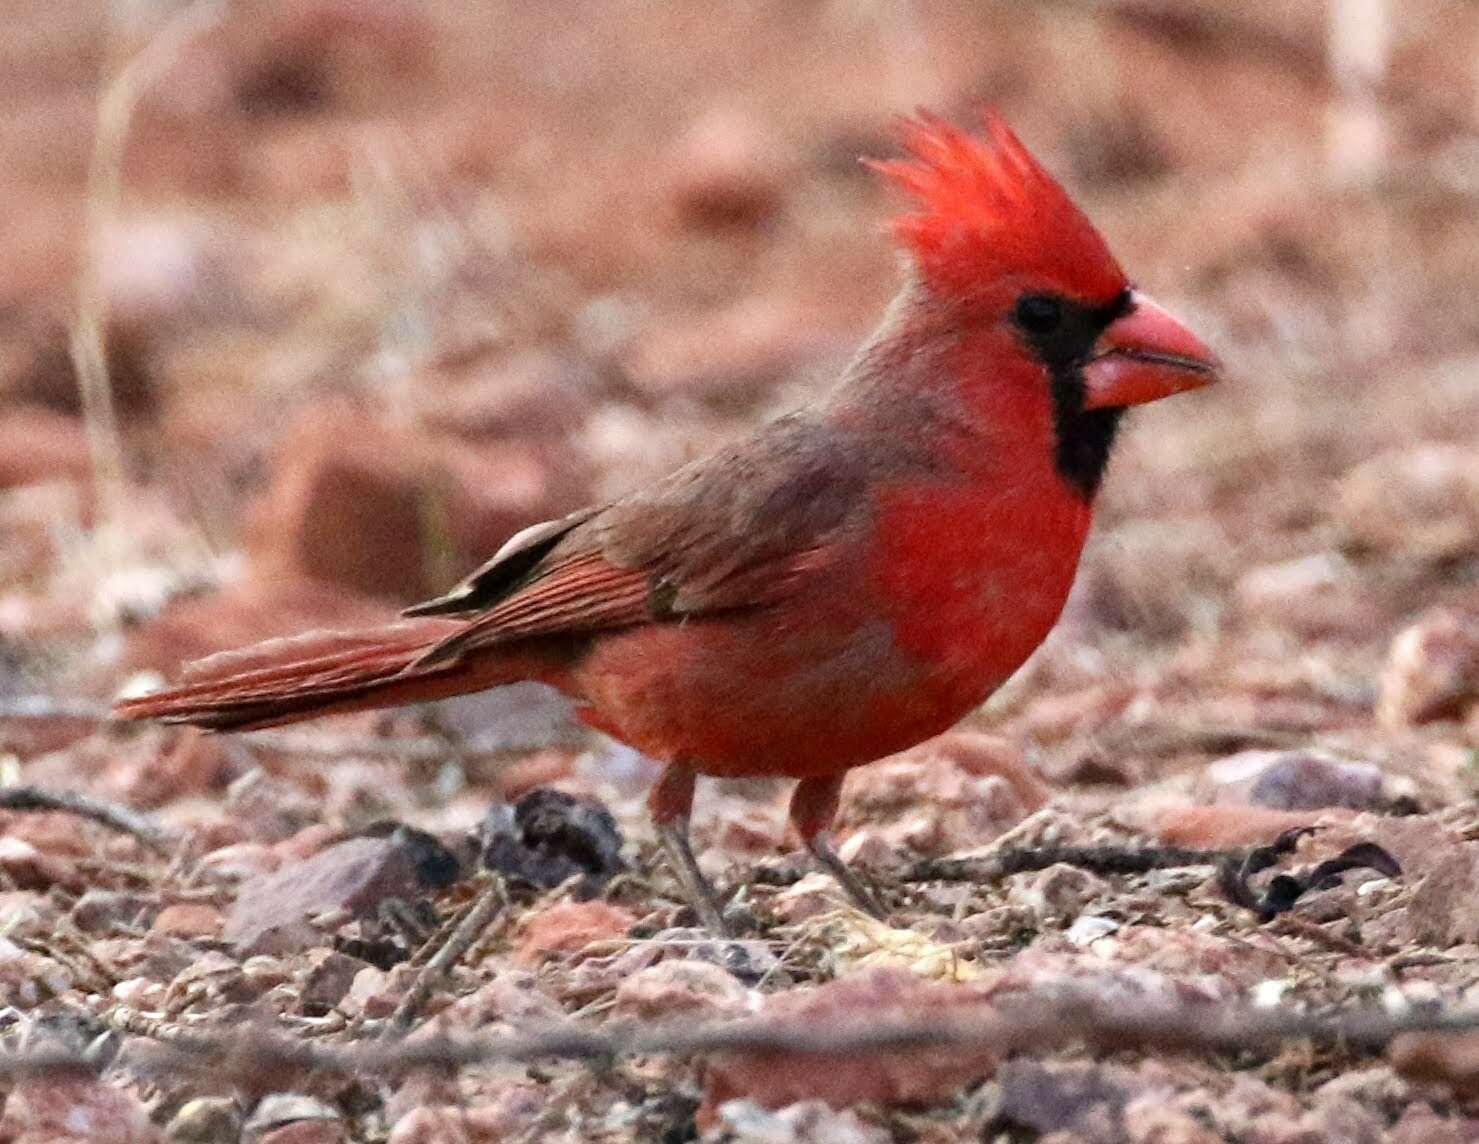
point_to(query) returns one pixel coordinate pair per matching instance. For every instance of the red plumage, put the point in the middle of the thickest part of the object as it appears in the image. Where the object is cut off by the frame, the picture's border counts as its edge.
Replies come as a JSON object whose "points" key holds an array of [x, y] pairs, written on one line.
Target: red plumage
{"points": [[988, 209], [845, 582]]}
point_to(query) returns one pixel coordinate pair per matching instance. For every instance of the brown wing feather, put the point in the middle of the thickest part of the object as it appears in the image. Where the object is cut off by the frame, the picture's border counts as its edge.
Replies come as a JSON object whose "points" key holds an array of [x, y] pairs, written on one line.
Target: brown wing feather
{"points": [[580, 595], [510, 568], [737, 529]]}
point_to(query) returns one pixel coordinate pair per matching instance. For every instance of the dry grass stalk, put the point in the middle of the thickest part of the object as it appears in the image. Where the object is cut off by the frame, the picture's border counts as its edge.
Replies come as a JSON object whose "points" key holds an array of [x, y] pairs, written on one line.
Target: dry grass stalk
{"points": [[120, 96]]}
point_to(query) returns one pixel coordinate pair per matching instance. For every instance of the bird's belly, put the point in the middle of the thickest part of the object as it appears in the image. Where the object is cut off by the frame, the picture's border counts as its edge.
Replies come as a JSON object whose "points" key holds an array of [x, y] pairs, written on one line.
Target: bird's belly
{"points": [[792, 691]]}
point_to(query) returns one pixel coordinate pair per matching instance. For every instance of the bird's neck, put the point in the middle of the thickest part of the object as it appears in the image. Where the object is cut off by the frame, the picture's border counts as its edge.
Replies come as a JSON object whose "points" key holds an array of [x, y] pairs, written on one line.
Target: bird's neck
{"points": [[980, 399]]}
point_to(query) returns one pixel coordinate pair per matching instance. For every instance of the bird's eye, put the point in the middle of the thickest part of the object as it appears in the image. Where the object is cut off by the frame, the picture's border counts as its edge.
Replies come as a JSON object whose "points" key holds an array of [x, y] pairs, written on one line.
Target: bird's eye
{"points": [[1039, 313]]}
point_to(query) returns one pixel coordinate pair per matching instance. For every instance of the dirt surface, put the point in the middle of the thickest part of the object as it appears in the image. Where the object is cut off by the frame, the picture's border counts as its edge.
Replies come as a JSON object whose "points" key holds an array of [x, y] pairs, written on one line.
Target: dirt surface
{"points": [[377, 284]]}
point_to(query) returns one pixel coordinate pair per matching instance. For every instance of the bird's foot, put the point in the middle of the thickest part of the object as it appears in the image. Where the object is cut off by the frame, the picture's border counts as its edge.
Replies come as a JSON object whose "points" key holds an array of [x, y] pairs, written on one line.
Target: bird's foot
{"points": [[861, 895], [696, 888]]}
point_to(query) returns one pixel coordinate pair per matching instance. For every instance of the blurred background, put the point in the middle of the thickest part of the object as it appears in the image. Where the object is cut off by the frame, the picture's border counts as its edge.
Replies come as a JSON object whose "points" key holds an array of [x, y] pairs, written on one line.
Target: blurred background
{"points": [[306, 306]]}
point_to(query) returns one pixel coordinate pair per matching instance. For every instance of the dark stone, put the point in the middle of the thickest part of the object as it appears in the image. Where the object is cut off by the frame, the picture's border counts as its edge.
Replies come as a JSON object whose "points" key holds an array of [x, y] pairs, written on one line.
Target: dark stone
{"points": [[548, 837]]}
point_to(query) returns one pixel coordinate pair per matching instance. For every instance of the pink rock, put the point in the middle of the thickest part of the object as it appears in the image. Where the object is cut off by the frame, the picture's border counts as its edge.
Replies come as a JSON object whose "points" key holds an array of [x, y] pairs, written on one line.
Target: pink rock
{"points": [[28, 913], [728, 356], [1182, 951], [1058, 893], [55, 1108], [263, 973], [775, 1078], [328, 979], [1447, 1059], [1057, 715], [441, 1125], [372, 993], [1149, 1119], [291, 1118], [1432, 671], [1421, 1125], [936, 800], [806, 1122], [1218, 827], [507, 1116], [192, 764], [218, 978], [678, 989], [528, 395], [273, 912], [209, 828], [28, 868], [1444, 908], [568, 927], [352, 497], [23, 734], [308, 841], [238, 862], [991, 755], [189, 920], [513, 997], [423, 1088], [139, 993], [1420, 501], [40, 445], [269, 808], [726, 172], [1313, 596], [133, 769], [814, 895], [304, 1132], [548, 767], [1296, 780], [51, 832], [867, 847], [205, 1119]]}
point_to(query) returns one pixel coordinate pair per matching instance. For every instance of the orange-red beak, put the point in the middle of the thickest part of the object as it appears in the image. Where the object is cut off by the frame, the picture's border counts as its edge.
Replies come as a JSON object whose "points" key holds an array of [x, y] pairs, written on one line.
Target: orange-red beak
{"points": [[1144, 356]]}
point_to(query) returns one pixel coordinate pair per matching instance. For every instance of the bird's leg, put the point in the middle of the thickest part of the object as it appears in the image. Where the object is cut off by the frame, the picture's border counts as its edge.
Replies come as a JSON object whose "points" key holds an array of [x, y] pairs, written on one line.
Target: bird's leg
{"points": [[813, 806], [671, 803]]}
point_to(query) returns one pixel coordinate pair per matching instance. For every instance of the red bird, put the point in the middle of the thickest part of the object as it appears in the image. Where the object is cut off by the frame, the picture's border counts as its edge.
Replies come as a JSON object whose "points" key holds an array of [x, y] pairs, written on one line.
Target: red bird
{"points": [[847, 581]]}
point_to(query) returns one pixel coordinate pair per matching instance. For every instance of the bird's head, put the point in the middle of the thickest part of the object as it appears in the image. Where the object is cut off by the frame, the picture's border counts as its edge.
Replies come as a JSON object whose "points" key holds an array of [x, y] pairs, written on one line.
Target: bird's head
{"points": [[998, 247], [997, 240]]}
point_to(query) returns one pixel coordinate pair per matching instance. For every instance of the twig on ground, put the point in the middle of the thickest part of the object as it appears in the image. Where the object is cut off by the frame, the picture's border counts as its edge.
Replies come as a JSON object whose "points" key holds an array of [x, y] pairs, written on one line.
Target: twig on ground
{"points": [[474, 921], [999, 864], [109, 814], [1024, 1023], [1098, 859]]}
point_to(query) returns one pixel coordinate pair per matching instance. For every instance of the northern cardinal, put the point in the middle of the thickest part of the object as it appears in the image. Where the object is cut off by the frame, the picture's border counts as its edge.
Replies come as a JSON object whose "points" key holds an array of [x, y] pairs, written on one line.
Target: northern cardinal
{"points": [[847, 581]]}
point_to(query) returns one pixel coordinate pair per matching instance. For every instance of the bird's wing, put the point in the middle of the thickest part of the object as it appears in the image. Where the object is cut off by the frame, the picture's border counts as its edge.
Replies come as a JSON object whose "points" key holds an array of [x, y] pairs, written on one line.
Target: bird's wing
{"points": [[736, 530]]}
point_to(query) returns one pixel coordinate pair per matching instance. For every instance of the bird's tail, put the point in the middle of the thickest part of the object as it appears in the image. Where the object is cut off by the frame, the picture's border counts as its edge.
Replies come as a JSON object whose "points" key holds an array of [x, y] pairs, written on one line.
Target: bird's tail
{"points": [[322, 673]]}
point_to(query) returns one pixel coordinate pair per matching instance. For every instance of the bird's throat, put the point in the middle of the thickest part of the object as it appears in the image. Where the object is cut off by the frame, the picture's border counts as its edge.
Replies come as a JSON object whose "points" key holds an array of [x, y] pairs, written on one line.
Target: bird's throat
{"points": [[1083, 437]]}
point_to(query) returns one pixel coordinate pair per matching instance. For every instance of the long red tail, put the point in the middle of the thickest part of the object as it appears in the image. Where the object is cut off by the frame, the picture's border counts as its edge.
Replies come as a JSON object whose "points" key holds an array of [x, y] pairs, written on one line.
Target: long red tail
{"points": [[322, 673]]}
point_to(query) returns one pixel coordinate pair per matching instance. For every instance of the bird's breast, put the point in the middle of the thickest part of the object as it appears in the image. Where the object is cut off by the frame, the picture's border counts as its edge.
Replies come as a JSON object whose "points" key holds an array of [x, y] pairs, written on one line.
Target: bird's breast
{"points": [[974, 579]]}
